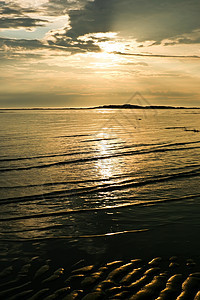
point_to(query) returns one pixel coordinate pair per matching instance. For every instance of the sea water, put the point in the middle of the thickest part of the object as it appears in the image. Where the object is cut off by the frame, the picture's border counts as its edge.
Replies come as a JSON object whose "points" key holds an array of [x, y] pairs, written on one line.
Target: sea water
{"points": [[80, 175]]}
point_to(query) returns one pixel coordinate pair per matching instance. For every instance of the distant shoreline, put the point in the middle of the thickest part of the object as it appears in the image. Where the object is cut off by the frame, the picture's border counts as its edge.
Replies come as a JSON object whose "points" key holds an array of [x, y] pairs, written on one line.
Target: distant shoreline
{"points": [[111, 106]]}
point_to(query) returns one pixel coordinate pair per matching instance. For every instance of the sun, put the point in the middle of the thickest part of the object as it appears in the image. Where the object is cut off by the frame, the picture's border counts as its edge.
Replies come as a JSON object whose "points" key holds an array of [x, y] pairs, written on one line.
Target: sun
{"points": [[111, 46]]}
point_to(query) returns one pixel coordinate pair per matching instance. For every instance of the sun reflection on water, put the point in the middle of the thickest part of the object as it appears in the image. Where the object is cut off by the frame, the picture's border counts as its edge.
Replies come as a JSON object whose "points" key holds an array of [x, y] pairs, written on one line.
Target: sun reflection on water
{"points": [[106, 167]]}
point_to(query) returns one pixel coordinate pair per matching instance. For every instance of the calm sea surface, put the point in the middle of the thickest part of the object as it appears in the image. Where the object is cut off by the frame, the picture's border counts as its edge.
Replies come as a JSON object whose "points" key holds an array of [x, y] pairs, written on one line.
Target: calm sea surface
{"points": [[84, 174]]}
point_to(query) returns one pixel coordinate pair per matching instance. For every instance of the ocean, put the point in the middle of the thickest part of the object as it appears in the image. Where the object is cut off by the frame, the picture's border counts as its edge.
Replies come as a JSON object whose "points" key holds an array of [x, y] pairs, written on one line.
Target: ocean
{"points": [[94, 184]]}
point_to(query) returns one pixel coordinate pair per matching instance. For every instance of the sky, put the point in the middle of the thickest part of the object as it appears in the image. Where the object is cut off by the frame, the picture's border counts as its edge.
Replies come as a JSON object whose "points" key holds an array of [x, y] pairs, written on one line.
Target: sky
{"points": [[83, 53]]}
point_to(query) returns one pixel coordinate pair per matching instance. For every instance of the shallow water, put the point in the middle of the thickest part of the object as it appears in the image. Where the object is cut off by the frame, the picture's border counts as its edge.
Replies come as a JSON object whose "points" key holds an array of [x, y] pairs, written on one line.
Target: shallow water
{"points": [[96, 178]]}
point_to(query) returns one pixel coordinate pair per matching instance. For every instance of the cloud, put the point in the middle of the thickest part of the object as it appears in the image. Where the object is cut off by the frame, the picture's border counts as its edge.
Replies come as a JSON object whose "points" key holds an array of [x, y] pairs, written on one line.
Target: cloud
{"points": [[18, 17], [20, 49], [15, 16], [187, 38], [21, 22], [14, 9], [21, 43], [142, 20], [8, 10], [156, 20], [9, 47], [94, 17], [156, 55], [135, 64], [90, 17], [74, 45], [61, 7]]}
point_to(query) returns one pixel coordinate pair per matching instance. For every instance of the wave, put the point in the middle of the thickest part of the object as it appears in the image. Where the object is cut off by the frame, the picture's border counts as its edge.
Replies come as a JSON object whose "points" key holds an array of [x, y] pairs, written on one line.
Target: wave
{"points": [[66, 182], [86, 236], [35, 229], [126, 184], [94, 151], [121, 185], [120, 176], [158, 145], [97, 140], [47, 156], [88, 210], [175, 127], [72, 136], [95, 158]]}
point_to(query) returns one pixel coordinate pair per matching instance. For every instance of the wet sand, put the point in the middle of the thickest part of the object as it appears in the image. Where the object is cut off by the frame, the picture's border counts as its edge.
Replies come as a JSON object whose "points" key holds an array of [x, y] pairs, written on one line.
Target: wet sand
{"points": [[52, 275], [40, 268]]}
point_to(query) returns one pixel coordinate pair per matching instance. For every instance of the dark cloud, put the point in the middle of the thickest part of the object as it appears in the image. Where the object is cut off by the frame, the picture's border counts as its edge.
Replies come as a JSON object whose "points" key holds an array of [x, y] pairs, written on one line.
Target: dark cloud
{"points": [[21, 22], [95, 17], [10, 46], [183, 40], [143, 20], [15, 16], [157, 55], [10, 8], [23, 43], [61, 7], [76, 45], [140, 19], [20, 49], [156, 20]]}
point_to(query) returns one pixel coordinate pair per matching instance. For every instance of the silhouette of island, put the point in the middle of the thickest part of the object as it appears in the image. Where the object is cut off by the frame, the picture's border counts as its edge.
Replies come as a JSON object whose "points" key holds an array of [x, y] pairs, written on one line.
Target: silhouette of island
{"points": [[134, 106], [110, 106]]}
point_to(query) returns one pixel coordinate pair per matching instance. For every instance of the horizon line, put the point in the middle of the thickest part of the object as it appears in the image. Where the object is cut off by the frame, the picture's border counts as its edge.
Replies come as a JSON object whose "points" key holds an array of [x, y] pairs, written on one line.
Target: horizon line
{"points": [[106, 106]]}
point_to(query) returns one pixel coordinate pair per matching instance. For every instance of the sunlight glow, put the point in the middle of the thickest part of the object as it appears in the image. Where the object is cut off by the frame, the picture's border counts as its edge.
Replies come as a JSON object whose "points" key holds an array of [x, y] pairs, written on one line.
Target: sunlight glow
{"points": [[111, 46], [105, 60]]}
